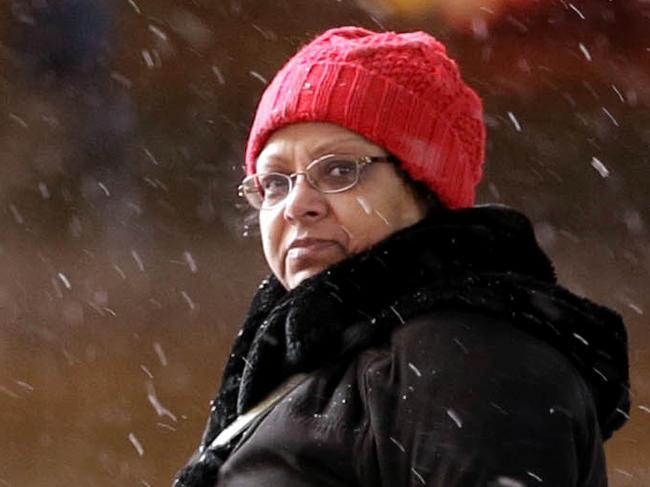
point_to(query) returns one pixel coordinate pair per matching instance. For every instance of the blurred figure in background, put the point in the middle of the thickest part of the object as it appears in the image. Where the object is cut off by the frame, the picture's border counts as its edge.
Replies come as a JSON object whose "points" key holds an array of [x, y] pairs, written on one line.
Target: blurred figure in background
{"points": [[66, 53]]}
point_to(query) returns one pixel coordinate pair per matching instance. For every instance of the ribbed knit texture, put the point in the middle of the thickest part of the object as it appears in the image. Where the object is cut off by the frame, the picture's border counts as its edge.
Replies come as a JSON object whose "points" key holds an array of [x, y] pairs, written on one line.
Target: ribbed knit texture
{"points": [[400, 91]]}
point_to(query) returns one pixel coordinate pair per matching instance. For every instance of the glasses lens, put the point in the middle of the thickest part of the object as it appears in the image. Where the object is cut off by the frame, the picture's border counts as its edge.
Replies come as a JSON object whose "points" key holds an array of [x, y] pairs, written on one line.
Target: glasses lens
{"points": [[266, 190], [333, 173]]}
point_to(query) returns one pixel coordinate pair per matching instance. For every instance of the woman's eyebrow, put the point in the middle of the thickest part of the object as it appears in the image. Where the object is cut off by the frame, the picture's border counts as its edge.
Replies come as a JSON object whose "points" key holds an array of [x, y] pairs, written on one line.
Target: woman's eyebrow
{"points": [[272, 163], [333, 145], [277, 163]]}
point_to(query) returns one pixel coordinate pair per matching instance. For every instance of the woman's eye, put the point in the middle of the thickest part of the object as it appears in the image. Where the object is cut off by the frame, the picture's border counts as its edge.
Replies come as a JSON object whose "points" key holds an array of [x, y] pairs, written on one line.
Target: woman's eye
{"points": [[340, 168], [273, 183]]}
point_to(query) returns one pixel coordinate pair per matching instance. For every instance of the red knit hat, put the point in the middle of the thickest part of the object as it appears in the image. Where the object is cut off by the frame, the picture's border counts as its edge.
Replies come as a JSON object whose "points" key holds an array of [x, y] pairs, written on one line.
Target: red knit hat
{"points": [[399, 91]]}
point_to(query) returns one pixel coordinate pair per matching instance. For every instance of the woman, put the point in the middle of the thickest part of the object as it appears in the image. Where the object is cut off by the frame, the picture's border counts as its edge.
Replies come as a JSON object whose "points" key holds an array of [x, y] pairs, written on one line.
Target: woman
{"points": [[405, 337]]}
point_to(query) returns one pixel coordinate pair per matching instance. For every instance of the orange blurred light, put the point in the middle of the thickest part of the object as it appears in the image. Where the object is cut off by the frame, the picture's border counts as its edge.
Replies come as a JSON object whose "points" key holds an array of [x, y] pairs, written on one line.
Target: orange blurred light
{"points": [[460, 13]]}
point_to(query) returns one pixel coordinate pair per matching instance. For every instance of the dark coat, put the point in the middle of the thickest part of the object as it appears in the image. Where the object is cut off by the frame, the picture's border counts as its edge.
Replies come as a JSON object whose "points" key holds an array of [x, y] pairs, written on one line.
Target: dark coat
{"points": [[446, 355]]}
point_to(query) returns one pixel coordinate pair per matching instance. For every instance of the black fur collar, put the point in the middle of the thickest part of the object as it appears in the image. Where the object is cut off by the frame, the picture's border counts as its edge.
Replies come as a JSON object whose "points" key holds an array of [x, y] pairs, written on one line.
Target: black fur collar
{"points": [[483, 258]]}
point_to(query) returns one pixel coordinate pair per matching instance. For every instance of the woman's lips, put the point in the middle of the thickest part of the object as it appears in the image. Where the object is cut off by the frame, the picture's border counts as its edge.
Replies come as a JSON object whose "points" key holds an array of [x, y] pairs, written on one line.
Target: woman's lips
{"points": [[310, 248]]}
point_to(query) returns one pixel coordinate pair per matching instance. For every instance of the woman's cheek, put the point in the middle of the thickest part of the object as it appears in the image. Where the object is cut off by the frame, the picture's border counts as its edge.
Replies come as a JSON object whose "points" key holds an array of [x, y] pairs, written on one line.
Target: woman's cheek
{"points": [[270, 246], [351, 217]]}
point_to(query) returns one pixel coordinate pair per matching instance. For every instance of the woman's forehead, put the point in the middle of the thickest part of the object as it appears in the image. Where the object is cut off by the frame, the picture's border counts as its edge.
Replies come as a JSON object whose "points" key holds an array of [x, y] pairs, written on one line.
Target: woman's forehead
{"points": [[297, 142]]}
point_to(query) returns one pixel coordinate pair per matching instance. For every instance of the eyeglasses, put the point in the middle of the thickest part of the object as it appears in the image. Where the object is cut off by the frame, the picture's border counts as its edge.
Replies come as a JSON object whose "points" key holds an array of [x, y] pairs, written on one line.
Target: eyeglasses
{"points": [[331, 173]]}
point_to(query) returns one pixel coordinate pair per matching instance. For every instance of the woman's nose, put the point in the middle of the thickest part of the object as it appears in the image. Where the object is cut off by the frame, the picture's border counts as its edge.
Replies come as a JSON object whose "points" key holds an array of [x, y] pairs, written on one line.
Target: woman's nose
{"points": [[304, 202]]}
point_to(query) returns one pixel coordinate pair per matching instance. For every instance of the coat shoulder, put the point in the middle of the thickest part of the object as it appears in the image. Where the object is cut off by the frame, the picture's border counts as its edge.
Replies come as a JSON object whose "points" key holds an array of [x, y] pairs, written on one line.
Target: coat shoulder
{"points": [[478, 347], [450, 386]]}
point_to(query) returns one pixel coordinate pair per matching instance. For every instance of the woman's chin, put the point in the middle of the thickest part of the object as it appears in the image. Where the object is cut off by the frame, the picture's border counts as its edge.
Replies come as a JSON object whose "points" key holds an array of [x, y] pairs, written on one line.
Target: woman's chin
{"points": [[294, 276], [299, 267]]}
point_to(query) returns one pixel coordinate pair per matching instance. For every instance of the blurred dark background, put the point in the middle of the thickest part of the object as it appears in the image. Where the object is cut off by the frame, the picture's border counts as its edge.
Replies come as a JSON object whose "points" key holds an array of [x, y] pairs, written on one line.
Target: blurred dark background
{"points": [[125, 265]]}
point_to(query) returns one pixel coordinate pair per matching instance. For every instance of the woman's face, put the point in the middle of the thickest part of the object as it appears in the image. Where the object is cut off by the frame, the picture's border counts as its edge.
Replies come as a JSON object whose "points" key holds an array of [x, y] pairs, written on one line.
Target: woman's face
{"points": [[310, 231]]}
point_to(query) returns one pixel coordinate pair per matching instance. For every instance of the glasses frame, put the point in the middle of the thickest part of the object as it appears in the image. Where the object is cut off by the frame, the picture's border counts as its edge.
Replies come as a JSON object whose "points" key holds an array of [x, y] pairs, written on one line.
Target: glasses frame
{"points": [[361, 162]]}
